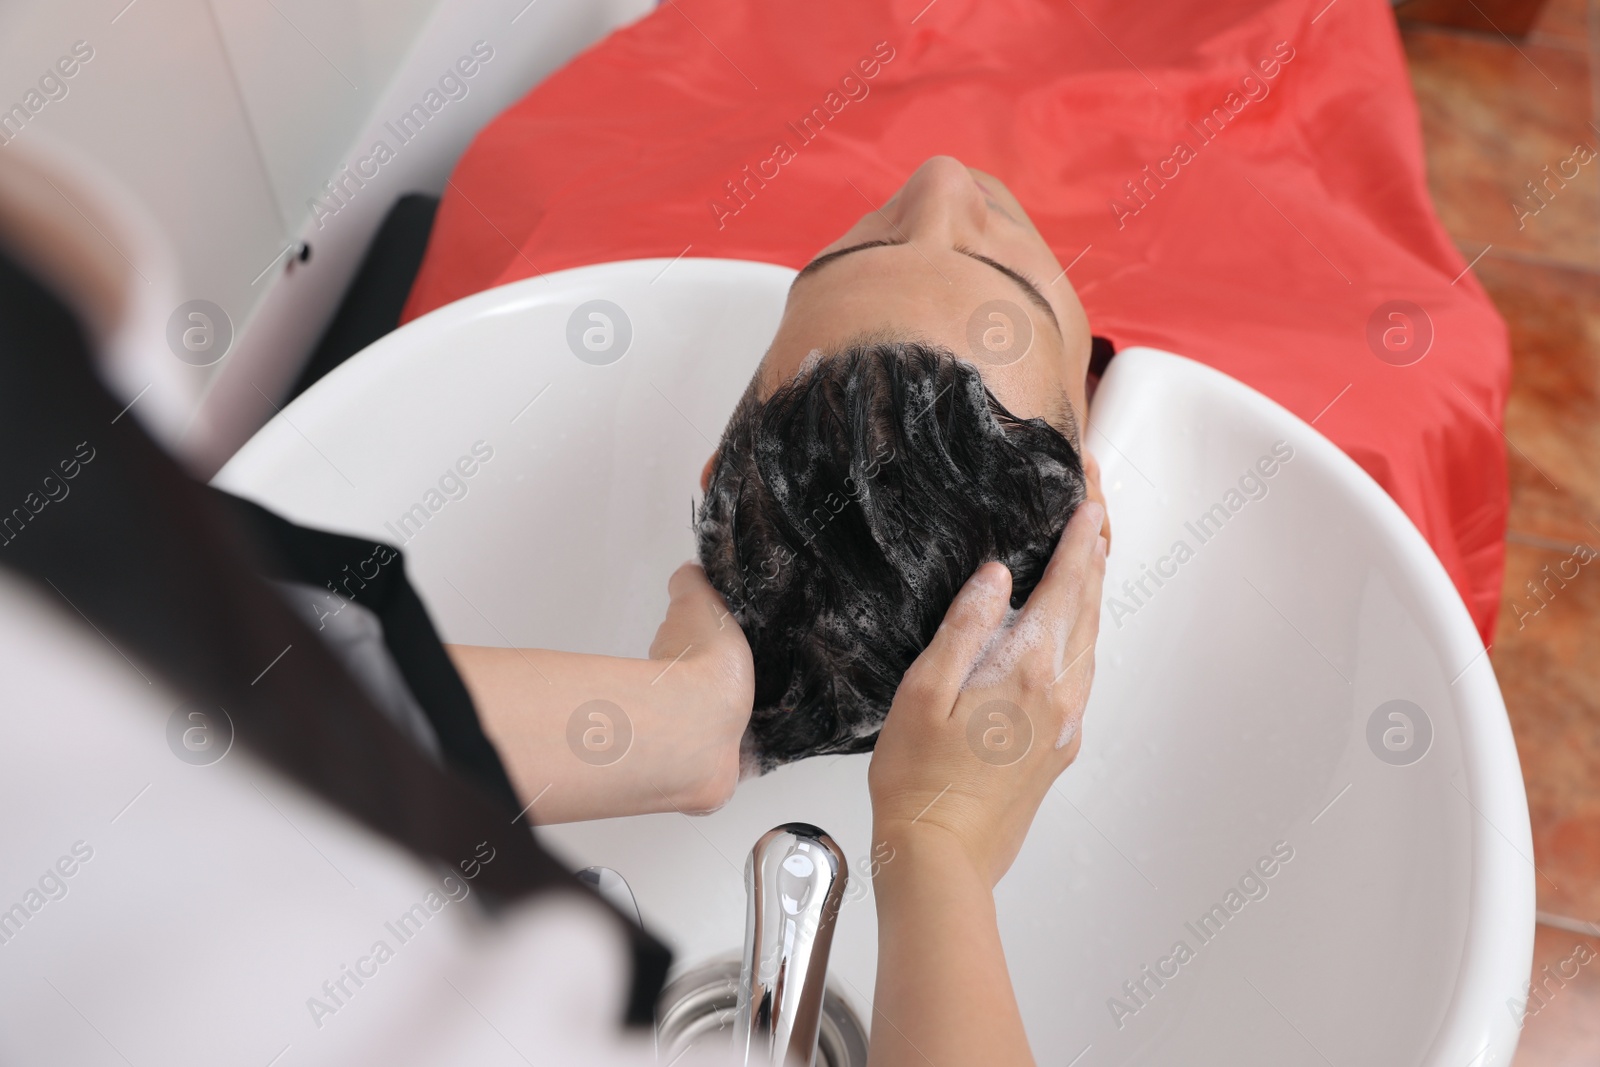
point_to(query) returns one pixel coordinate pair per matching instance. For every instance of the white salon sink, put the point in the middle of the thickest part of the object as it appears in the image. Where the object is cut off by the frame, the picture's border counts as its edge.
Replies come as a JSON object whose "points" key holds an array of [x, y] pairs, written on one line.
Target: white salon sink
{"points": [[1230, 715]]}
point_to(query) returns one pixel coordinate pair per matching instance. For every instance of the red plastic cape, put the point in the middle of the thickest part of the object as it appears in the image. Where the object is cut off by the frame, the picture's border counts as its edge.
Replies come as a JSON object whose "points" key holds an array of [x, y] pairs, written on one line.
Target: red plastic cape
{"points": [[1241, 183]]}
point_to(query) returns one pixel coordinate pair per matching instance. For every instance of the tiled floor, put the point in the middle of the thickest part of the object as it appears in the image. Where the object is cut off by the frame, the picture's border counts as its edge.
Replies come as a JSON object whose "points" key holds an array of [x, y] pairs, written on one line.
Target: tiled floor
{"points": [[1496, 112]]}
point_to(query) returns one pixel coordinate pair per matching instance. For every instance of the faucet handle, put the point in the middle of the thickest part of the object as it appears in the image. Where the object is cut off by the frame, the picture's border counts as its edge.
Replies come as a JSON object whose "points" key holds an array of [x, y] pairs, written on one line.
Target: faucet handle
{"points": [[794, 884]]}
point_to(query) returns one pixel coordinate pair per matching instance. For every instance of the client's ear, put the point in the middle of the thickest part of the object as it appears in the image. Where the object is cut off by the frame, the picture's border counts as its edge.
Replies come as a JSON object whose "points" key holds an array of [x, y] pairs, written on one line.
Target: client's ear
{"points": [[705, 472]]}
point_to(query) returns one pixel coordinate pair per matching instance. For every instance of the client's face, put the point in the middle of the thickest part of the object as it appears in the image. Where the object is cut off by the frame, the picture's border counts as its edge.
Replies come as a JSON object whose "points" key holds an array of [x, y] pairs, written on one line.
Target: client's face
{"points": [[951, 260], [867, 473]]}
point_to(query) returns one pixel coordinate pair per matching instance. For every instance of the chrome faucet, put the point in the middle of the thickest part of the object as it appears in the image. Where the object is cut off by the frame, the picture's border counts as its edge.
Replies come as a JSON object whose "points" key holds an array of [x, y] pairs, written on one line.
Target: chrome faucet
{"points": [[794, 883]]}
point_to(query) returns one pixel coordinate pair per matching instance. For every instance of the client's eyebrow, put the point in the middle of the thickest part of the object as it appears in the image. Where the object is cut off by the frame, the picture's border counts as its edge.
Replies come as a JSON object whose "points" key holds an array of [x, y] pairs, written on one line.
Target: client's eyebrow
{"points": [[1030, 290]]}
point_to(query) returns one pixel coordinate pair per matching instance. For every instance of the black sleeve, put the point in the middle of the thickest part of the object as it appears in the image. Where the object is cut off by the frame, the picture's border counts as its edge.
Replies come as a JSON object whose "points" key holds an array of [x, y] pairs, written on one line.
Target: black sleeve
{"points": [[372, 574], [100, 519]]}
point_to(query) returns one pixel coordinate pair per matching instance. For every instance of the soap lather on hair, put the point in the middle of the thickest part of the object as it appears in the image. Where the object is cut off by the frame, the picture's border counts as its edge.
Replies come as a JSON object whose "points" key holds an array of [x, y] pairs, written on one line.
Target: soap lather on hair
{"points": [[844, 512]]}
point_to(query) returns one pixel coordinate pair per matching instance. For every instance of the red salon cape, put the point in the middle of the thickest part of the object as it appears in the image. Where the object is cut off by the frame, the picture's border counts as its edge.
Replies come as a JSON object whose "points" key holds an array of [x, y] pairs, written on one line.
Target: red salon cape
{"points": [[1241, 183]]}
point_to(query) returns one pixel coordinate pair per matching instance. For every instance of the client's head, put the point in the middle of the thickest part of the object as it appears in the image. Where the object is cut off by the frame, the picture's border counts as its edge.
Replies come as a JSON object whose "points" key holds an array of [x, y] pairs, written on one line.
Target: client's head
{"points": [[917, 415]]}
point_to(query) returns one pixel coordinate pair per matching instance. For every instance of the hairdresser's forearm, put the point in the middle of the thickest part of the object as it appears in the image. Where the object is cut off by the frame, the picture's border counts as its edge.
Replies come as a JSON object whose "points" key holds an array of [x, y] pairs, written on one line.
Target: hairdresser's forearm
{"points": [[943, 993], [648, 737]]}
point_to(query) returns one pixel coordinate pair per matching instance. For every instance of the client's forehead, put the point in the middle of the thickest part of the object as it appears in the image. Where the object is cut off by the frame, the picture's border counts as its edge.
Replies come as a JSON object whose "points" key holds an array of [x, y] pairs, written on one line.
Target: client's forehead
{"points": [[1025, 287], [949, 301]]}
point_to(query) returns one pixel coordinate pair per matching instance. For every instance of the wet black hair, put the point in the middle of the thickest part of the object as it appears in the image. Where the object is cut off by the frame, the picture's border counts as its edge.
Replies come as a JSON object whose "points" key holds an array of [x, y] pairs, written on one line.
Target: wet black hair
{"points": [[845, 511]]}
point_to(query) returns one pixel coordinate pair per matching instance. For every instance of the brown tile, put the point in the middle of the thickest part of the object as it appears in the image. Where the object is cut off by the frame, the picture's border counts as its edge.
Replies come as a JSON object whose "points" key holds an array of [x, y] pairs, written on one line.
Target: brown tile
{"points": [[1553, 413], [1562, 1027], [1493, 117], [1562, 22], [1544, 657], [1514, 17]]}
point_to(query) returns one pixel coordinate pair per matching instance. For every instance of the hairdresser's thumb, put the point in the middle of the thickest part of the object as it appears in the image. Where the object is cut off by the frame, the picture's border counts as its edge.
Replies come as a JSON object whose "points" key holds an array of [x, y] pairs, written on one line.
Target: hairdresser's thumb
{"points": [[697, 619], [972, 618]]}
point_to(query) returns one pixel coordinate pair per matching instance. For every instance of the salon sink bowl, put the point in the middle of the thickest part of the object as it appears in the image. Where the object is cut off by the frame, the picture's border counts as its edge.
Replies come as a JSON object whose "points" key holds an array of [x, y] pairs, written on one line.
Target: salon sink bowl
{"points": [[1297, 832]]}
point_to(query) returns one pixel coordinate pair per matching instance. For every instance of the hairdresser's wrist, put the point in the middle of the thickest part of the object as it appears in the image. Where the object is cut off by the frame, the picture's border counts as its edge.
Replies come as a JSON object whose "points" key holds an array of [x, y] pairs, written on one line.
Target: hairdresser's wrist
{"points": [[697, 718], [913, 855], [593, 737], [942, 978], [700, 691]]}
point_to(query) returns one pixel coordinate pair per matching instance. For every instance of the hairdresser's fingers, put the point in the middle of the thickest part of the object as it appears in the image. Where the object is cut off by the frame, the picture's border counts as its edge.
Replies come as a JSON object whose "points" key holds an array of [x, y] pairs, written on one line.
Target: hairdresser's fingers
{"points": [[697, 617], [934, 678], [1091, 474], [1069, 692], [1055, 599], [1088, 621], [1084, 625]]}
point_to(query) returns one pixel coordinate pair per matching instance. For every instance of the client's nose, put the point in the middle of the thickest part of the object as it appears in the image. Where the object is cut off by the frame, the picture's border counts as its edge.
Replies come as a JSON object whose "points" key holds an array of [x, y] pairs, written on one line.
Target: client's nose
{"points": [[939, 203]]}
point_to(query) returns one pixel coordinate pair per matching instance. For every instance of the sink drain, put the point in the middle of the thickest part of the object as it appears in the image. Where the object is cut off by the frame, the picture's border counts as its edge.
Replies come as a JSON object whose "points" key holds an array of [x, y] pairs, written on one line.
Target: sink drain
{"points": [[696, 1011]]}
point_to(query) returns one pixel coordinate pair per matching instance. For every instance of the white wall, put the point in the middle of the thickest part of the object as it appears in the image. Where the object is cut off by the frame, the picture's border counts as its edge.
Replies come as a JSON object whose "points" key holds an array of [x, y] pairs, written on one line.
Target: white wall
{"points": [[226, 117]]}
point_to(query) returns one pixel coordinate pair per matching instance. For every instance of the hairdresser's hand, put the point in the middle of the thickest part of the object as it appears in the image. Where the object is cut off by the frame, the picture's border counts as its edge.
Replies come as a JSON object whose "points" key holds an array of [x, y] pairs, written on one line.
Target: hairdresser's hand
{"points": [[702, 643], [979, 730], [593, 737], [965, 757]]}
